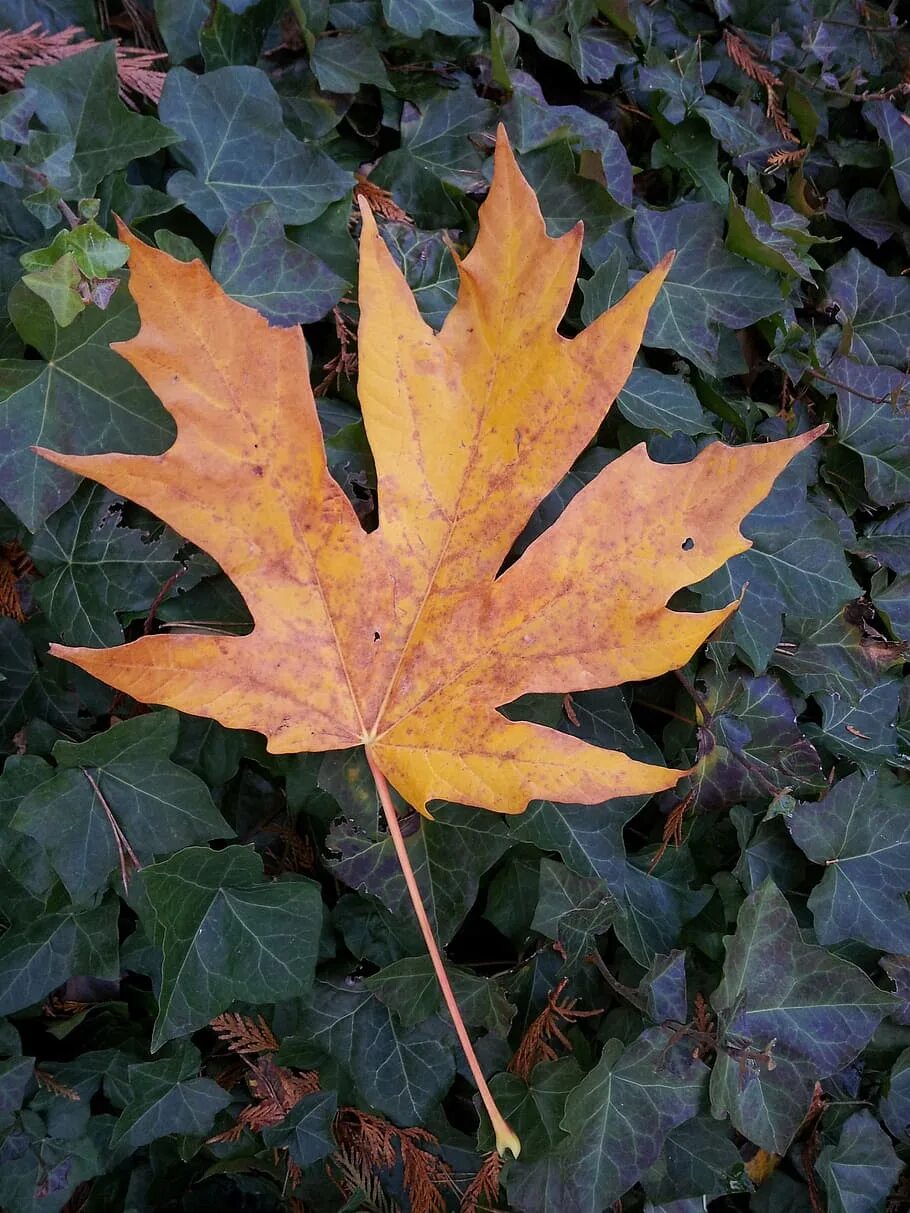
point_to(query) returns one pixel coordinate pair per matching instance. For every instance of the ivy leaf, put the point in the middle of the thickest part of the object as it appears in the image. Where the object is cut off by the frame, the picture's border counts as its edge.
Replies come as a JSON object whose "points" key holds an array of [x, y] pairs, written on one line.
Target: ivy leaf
{"points": [[860, 831], [449, 855], [872, 407], [257, 265], [38, 957], [666, 403], [894, 131], [571, 910], [617, 1119], [895, 1103], [92, 567], [414, 17], [410, 989], [238, 152], [306, 1131], [803, 1007], [82, 397], [343, 62], [402, 1073], [77, 100], [428, 266], [164, 1099], [706, 288], [121, 778], [873, 309], [861, 1169], [226, 934], [862, 729], [699, 1160], [58, 286]]}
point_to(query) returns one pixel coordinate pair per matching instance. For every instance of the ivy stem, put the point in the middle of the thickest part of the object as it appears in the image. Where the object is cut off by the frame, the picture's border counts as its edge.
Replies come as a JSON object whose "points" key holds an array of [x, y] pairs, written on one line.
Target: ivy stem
{"points": [[506, 1139]]}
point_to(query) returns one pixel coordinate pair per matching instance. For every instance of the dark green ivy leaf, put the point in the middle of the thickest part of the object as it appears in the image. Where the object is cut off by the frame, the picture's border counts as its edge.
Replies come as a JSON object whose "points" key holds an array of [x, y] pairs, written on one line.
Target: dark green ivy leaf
{"points": [[38, 957], [226, 935], [617, 1119], [410, 989], [872, 406], [93, 566], [167, 1097], [126, 775], [860, 832], [873, 308], [77, 100], [860, 1171], [257, 265], [402, 1073], [306, 1131], [83, 399], [791, 1003], [415, 17], [238, 152]]}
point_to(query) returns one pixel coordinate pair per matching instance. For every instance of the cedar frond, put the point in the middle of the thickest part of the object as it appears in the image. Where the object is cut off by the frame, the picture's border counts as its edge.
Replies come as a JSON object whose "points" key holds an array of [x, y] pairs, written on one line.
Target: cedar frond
{"points": [[55, 1086], [20, 50], [244, 1034], [350, 1176], [344, 364], [535, 1044], [787, 156], [10, 602], [426, 1175], [747, 59], [379, 200], [483, 1187], [291, 853], [673, 826]]}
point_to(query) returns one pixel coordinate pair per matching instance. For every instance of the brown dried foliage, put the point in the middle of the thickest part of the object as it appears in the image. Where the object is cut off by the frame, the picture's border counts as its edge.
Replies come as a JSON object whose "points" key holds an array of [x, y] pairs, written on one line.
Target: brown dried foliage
{"points": [[55, 1086], [344, 364], [482, 1192], [368, 1144], [12, 569], [245, 1033], [535, 1045], [747, 59], [379, 200], [140, 77]]}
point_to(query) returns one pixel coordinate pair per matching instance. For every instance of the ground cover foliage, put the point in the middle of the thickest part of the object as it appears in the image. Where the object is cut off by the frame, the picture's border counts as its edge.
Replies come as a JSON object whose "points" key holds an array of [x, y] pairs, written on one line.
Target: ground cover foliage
{"points": [[213, 985]]}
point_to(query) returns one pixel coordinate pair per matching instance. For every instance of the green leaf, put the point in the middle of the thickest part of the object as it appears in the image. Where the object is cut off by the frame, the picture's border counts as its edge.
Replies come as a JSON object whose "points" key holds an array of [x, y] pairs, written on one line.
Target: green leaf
{"points": [[226, 935], [342, 62], [860, 831], [234, 35], [863, 729], [257, 265], [401, 1073], [164, 1099], [796, 565], [860, 1171], [428, 266], [125, 774], [448, 854], [894, 131], [872, 406], [698, 1160], [77, 100], [811, 1011], [38, 957], [618, 1118], [238, 152], [827, 655], [410, 989], [707, 287], [895, 1105], [93, 566], [873, 309], [306, 1131], [666, 403], [84, 398], [58, 286], [572, 910], [415, 17]]}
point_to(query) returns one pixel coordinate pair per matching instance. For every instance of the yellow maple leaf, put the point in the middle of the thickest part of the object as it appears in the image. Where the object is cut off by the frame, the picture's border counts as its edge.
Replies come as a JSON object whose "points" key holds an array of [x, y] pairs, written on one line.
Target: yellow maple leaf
{"points": [[405, 640], [408, 639]]}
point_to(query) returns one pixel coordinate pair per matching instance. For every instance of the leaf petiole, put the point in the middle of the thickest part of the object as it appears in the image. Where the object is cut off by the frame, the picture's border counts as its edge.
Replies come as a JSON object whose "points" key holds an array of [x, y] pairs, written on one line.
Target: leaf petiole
{"points": [[506, 1139]]}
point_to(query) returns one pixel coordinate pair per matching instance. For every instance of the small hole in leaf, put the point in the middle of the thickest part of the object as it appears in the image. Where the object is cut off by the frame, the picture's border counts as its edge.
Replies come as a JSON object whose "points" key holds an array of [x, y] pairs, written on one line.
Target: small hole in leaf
{"points": [[688, 545], [376, 636]]}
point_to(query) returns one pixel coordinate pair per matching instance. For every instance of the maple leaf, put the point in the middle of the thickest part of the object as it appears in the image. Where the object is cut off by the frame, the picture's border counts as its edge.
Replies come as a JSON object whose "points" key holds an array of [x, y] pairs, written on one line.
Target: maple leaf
{"points": [[406, 640]]}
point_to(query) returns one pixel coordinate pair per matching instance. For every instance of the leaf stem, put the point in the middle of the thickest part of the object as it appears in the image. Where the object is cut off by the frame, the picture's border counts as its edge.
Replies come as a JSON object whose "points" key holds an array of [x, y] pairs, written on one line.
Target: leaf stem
{"points": [[506, 1139]]}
